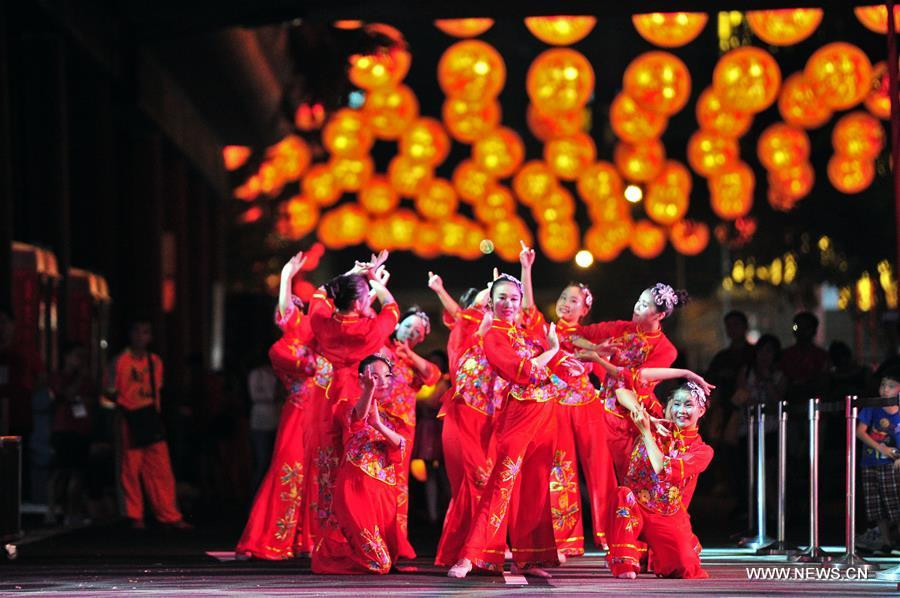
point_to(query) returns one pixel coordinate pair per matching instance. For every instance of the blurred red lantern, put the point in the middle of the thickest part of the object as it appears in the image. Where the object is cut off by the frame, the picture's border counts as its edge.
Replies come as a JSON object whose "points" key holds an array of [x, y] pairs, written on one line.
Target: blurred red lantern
{"points": [[437, 199], [425, 141], [560, 80], [668, 195], [568, 156], [850, 175], [669, 29], [875, 18], [427, 243], [500, 152], [390, 110], [533, 182], [858, 135], [800, 106], [471, 70], [291, 157], [600, 181], [271, 179], [640, 162], [351, 173], [647, 240], [747, 79], [464, 27], [408, 176], [404, 225], [343, 226], [840, 74], [297, 218], [689, 237], [731, 191], [471, 181], [708, 153], [235, 156], [561, 30], [506, 235], [603, 246], [557, 205], [467, 121], [879, 100], [250, 190], [782, 146], [498, 203], [309, 117], [559, 240], [792, 183], [609, 209], [779, 200], [714, 117], [346, 134], [377, 196], [658, 81], [384, 68], [378, 236], [321, 185], [786, 26], [453, 234], [632, 123], [546, 126]]}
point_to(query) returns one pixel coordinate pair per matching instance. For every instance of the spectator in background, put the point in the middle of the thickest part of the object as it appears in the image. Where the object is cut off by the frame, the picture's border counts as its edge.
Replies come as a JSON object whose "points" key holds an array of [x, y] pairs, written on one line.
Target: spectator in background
{"points": [[263, 387], [804, 363], [74, 404], [847, 377]]}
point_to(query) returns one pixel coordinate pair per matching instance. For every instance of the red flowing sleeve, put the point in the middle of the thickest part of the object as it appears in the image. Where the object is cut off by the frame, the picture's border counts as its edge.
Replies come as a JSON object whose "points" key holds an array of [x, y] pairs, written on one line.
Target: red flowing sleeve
{"points": [[448, 320], [662, 355], [692, 462], [507, 363]]}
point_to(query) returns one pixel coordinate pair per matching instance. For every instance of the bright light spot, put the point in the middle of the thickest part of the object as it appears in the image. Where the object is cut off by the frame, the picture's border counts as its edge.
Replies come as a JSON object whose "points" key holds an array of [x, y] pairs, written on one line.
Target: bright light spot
{"points": [[584, 258], [824, 243], [633, 193], [356, 99], [486, 246]]}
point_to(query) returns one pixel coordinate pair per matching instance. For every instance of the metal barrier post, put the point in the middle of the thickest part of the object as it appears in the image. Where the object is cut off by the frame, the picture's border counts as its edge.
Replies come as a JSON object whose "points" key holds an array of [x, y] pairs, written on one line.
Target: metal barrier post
{"points": [[850, 558], [761, 540], [814, 553], [750, 535], [780, 546]]}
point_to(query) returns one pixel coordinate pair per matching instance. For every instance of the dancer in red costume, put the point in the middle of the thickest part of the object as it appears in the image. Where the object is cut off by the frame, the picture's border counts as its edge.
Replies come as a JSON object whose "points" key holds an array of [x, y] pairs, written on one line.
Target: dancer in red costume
{"points": [[463, 321], [411, 372], [639, 343], [660, 480], [365, 497], [345, 330], [278, 527]]}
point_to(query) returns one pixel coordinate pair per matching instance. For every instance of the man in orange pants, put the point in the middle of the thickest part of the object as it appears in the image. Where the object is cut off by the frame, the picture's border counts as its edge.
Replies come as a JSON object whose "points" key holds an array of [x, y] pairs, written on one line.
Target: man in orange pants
{"points": [[145, 454]]}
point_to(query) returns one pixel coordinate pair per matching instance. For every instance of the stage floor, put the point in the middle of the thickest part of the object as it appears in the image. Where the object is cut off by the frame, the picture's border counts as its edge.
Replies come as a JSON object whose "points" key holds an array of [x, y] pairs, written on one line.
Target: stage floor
{"points": [[216, 573]]}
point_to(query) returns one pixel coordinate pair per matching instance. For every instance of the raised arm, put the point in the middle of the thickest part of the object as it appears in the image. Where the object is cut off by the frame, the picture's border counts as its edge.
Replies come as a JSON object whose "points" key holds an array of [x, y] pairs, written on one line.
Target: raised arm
{"points": [[526, 258], [288, 272], [658, 374], [450, 305]]}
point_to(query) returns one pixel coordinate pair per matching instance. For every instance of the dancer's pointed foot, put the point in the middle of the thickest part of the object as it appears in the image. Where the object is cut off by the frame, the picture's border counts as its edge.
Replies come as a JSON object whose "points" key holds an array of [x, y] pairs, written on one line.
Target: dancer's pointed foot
{"points": [[530, 571], [460, 569], [627, 575], [561, 556]]}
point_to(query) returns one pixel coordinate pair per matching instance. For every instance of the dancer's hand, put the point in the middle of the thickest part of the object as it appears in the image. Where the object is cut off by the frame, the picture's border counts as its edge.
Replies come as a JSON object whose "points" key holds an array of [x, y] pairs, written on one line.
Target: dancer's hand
{"points": [[699, 381], [481, 299], [403, 351], [574, 367], [295, 264], [586, 355], [367, 380], [659, 426], [435, 283], [641, 419], [380, 275], [553, 338], [583, 343], [486, 323], [496, 274], [526, 256]]}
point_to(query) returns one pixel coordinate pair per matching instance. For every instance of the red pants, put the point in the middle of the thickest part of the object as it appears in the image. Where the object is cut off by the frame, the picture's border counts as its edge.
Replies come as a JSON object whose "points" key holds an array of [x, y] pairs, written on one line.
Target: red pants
{"points": [[469, 453], [582, 433], [517, 496], [673, 545], [147, 466], [325, 448], [366, 513], [275, 529], [619, 440], [402, 488]]}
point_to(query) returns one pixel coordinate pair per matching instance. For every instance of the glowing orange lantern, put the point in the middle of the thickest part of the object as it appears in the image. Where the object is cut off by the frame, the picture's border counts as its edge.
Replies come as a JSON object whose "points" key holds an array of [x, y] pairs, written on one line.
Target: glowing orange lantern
{"points": [[568, 156], [379, 236], [321, 185], [603, 246], [713, 116], [235, 156], [632, 123], [560, 31], [498, 203], [427, 243], [850, 175], [731, 191], [546, 126], [300, 216], [453, 234], [404, 224], [669, 29], [599, 181], [708, 153], [640, 162], [347, 135], [689, 237], [533, 181], [471, 181], [500, 152], [464, 27], [647, 240], [747, 79], [879, 101], [351, 224], [291, 156], [800, 106], [329, 230], [471, 70], [858, 135], [658, 81], [609, 209], [560, 80], [250, 190], [471, 248], [425, 141], [437, 199], [668, 195], [506, 235], [467, 121], [408, 176], [385, 68], [348, 24], [308, 117], [786, 26], [271, 179], [377, 196], [875, 18], [352, 173], [559, 240], [557, 205], [782, 146], [840, 74], [390, 110], [792, 183], [779, 200]]}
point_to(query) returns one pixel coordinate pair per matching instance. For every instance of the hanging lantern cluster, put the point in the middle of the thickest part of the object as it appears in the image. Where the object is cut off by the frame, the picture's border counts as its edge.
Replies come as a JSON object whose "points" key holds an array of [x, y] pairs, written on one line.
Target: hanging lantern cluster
{"points": [[857, 138], [784, 151], [669, 29], [785, 26]]}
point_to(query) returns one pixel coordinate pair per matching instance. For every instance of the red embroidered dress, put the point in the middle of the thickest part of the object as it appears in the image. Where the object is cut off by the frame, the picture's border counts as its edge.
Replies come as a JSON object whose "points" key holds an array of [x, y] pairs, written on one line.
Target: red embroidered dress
{"points": [[365, 501], [653, 507]]}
